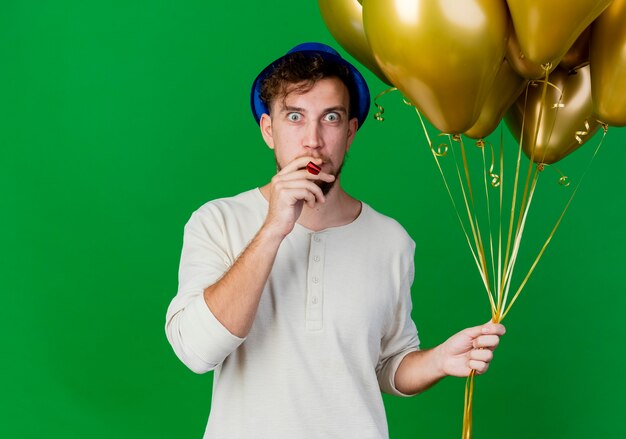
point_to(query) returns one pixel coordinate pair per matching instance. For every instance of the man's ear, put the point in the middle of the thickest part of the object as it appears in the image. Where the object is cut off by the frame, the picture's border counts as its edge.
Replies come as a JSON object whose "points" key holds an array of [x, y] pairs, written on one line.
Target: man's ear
{"points": [[353, 125], [266, 130]]}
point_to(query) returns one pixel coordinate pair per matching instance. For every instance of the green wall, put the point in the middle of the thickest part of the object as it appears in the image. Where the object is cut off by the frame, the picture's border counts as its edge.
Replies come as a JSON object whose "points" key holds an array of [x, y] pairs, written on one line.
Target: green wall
{"points": [[119, 118]]}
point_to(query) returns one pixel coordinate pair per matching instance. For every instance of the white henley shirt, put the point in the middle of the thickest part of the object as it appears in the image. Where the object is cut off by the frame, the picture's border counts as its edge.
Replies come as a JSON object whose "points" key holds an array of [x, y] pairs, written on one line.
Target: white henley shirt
{"points": [[332, 326]]}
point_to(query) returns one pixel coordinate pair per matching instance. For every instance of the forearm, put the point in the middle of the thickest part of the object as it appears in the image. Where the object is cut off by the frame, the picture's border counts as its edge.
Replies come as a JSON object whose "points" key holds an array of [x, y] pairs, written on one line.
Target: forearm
{"points": [[234, 299], [418, 371]]}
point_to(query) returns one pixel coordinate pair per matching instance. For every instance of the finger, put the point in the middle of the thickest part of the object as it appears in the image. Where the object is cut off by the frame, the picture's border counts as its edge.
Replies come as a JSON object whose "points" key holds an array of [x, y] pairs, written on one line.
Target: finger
{"points": [[486, 341], [308, 187], [493, 328], [487, 328], [281, 183], [303, 174], [484, 355], [311, 201], [296, 195], [478, 366], [473, 332]]}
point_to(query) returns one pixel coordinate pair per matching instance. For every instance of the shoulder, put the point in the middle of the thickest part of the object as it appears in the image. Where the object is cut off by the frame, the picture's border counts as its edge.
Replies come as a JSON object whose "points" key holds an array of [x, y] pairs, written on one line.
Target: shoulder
{"points": [[245, 206], [244, 202], [386, 228]]}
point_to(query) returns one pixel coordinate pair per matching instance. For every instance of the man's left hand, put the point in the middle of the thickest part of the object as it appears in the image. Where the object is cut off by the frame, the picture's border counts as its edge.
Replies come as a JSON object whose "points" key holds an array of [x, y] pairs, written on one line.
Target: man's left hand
{"points": [[472, 348]]}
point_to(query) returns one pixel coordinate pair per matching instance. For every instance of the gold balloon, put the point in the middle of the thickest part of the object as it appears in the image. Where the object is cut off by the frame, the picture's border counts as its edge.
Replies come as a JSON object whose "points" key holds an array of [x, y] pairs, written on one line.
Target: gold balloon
{"points": [[443, 55], [562, 124], [505, 90], [546, 29], [522, 65], [578, 55], [344, 19], [608, 64]]}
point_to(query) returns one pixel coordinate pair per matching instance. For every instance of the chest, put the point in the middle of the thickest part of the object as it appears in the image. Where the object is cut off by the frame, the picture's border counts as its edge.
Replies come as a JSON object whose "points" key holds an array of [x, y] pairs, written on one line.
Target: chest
{"points": [[323, 283]]}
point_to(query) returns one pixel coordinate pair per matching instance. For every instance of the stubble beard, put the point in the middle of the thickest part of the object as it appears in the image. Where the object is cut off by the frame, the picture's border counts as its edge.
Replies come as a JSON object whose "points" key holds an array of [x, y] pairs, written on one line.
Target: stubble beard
{"points": [[326, 186]]}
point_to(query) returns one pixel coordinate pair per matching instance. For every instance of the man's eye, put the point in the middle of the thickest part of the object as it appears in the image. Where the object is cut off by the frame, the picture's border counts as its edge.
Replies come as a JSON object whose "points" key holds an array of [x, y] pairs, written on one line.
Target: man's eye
{"points": [[332, 117], [294, 117]]}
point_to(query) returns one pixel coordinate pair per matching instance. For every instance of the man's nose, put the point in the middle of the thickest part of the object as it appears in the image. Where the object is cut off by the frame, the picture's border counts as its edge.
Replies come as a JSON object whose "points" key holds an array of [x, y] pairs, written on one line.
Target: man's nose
{"points": [[313, 136]]}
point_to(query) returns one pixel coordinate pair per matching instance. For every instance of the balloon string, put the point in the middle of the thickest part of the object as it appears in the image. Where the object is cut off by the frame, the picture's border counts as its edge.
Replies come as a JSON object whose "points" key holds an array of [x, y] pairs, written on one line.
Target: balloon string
{"points": [[495, 183], [513, 203], [525, 195], [514, 238], [495, 178], [480, 251], [518, 240], [468, 406], [477, 249], [545, 245], [555, 106], [454, 204], [481, 145], [499, 290], [379, 114], [469, 384], [442, 150], [472, 218], [530, 183], [469, 387], [563, 179]]}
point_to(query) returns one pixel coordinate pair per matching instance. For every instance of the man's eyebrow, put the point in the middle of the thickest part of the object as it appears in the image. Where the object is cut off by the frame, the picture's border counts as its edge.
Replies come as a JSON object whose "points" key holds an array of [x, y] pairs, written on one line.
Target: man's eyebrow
{"points": [[337, 109], [288, 108]]}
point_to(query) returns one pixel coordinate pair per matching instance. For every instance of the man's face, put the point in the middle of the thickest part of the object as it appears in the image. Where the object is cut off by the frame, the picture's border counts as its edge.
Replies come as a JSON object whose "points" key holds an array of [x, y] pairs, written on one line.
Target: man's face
{"points": [[314, 123]]}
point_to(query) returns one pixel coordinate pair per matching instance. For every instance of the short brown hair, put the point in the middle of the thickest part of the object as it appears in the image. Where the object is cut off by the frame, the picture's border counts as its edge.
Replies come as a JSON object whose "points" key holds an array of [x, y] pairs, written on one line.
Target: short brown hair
{"points": [[298, 73]]}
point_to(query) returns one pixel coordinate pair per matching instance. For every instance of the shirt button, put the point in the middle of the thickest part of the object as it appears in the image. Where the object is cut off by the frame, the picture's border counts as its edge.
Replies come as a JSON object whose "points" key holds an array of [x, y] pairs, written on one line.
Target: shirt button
{"points": [[315, 301], [316, 258], [315, 280], [317, 238]]}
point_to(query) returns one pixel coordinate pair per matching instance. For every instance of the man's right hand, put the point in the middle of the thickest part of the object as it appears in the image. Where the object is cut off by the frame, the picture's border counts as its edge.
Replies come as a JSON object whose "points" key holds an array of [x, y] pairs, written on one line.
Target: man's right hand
{"points": [[289, 190]]}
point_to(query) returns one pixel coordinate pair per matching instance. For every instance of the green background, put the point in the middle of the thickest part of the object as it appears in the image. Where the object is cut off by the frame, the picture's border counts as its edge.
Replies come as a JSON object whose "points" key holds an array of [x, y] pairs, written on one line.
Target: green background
{"points": [[120, 118]]}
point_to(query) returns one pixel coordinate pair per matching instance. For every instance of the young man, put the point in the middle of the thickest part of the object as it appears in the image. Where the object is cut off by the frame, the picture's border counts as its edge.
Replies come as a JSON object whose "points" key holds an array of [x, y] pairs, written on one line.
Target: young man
{"points": [[296, 294]]}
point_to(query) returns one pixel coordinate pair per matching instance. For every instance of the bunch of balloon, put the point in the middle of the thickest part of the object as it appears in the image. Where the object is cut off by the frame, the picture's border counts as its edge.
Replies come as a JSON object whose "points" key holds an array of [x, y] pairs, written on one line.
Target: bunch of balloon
{"points": [[554, 71]]}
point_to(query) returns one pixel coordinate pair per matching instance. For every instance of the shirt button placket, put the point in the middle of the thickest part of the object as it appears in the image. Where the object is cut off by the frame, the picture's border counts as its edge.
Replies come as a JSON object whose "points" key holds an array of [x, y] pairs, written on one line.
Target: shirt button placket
{"points": [[315, 293]]}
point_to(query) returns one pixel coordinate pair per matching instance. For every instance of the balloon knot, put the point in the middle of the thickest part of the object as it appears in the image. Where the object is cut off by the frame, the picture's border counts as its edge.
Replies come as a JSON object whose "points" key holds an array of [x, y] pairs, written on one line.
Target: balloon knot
{"points": [[604, 125]]}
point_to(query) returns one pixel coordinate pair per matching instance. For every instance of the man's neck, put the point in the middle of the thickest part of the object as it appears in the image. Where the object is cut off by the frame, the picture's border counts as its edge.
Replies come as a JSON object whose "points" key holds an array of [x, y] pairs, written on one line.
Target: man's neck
{"points": [[338, 210]]}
